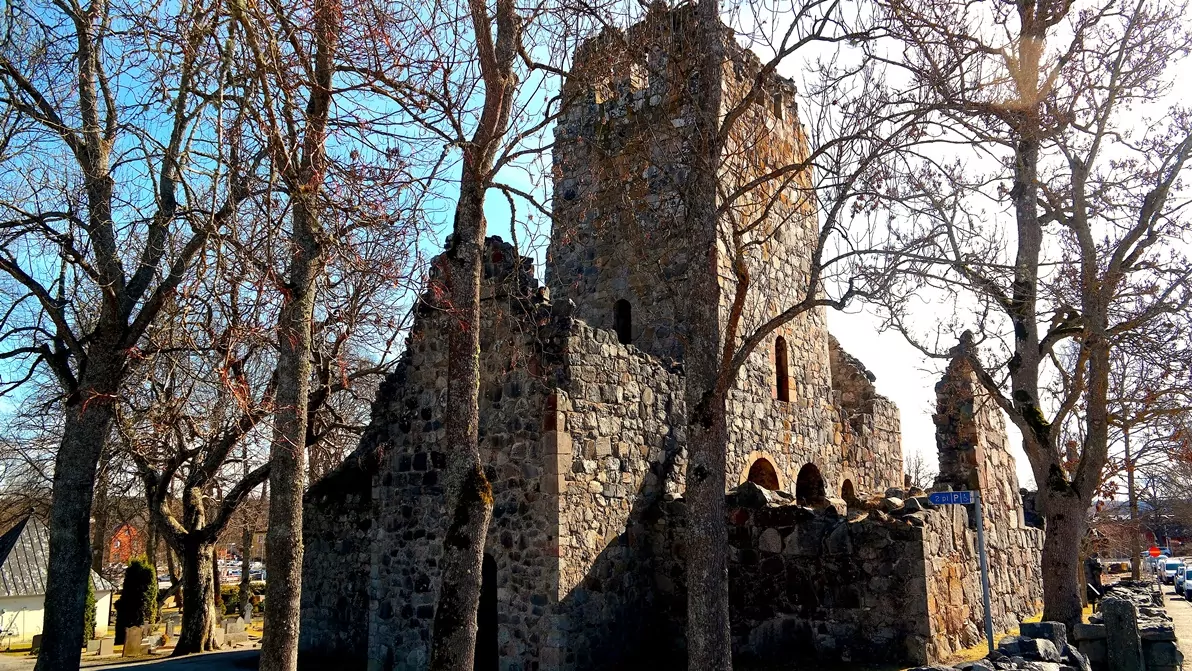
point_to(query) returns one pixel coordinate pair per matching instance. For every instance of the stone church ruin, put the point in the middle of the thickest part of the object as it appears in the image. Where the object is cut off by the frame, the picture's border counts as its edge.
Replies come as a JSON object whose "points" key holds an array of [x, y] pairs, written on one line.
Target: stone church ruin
{"points": [[582, 428]]}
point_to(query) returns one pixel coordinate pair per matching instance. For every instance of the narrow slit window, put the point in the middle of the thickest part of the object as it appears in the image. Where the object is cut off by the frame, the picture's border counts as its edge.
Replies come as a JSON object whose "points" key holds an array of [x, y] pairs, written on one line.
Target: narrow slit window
{"points": [[782, 381], [623, 321]]}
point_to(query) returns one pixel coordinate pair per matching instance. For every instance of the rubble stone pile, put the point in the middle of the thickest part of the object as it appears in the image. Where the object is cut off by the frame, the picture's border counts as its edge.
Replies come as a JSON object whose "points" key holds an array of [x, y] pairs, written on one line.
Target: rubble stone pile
{"points": [[1131, 633]]}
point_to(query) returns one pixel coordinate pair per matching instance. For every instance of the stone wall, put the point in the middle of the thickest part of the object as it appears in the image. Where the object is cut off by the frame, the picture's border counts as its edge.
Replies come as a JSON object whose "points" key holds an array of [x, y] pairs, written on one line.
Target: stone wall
{"points": [[411, 514], [974, 454], [870, 428], [879, 581], [621, 159], [620, 429], [338, 519]]}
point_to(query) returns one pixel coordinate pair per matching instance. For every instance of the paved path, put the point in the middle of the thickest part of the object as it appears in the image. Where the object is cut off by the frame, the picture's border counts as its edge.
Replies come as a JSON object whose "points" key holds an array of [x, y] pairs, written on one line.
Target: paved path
{"points": [[232, 660], [1180, 610]]}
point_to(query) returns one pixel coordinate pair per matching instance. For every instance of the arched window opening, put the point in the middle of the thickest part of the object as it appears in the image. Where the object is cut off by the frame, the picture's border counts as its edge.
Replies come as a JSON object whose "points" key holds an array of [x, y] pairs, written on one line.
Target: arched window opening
{"points": [[782, 382], [762, 474], [623, 321], [809, 486], [847, 492], [487, 657]]}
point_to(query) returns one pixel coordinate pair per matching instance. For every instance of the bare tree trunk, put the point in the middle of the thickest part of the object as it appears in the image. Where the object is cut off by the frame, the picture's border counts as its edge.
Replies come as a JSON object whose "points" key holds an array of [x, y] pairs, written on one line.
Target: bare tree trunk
{"points": [[198, 599], [89, 417], [1065, 518], [151, 537], [1132, 496], [454, 644], [709, 646], [99, 529], [246, 570], [279, 646]]}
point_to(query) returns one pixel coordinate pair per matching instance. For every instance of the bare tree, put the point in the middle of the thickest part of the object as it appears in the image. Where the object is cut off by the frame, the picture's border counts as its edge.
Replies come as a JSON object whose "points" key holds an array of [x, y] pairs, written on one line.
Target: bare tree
{"points": [[1055, 230], [919, 473], [752, 194], [111, 194]]}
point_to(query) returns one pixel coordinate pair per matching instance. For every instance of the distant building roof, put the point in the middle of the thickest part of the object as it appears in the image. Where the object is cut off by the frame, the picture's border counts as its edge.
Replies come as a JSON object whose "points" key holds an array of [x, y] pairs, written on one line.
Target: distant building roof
{"points": [[24, 555]]}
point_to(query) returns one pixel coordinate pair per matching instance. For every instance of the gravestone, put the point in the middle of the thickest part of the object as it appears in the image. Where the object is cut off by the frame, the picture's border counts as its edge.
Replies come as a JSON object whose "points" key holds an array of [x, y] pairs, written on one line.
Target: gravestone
{"points": [[107, 646], [36, 643], [133, 645], [171, 627], [93, 646], [1123, 642]]}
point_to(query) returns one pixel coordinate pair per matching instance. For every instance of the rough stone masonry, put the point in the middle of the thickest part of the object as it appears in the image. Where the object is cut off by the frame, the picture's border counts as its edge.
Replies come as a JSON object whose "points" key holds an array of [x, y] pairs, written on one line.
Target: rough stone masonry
{"points": [[583, 430]]}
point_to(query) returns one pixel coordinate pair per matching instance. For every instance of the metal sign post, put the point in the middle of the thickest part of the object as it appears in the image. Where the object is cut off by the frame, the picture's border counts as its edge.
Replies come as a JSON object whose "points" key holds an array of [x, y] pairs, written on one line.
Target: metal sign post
{"points": [[964, 499]]}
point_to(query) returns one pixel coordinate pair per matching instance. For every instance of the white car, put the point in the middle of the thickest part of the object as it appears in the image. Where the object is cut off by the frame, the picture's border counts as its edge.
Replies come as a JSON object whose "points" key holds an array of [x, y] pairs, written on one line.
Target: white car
{"points": [[1188, 586], [1167, 573]]}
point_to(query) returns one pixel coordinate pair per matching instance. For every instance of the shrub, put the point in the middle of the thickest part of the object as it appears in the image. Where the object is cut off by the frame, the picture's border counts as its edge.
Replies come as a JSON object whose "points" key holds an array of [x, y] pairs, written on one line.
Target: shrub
{"points": [[137, 604], [89, 613]]}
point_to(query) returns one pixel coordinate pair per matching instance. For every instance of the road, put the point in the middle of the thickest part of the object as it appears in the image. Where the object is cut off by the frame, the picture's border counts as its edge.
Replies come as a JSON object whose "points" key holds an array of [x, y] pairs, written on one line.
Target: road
{"points": [[1180, 610]]}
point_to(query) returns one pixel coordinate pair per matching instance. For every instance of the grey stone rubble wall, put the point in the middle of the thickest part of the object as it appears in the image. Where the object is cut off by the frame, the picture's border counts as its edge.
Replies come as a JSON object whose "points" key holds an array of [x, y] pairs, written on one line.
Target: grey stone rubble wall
{"points": [[835, 589], [1132, 632], [880, 580], [974, 455], [621, 157], [338, 518], [411, 494], [620, 423]]}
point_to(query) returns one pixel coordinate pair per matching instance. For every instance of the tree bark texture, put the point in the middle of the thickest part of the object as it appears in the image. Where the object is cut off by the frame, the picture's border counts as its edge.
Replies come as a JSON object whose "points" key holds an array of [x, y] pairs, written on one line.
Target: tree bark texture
{"points": [[89, 416], [287, 453], [709, 645], [246, 570], [1065, 520], [198, 599], [453, 643]]}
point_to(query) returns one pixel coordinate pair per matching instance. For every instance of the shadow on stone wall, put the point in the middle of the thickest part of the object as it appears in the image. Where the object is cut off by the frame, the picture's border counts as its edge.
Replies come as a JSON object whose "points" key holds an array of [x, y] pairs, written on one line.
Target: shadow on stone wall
{"points": [[629, 611]]}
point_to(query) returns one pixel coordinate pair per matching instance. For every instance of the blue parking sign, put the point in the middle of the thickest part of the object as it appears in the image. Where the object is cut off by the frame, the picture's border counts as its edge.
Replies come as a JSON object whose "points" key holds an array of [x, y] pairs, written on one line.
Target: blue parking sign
{"points": [[951, 498]]}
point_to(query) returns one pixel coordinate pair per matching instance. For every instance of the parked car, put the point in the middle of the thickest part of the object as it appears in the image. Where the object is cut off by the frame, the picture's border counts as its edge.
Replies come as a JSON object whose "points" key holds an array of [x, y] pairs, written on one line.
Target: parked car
{"points": [[1169, 569], [1188, 585], [1180, 571]]}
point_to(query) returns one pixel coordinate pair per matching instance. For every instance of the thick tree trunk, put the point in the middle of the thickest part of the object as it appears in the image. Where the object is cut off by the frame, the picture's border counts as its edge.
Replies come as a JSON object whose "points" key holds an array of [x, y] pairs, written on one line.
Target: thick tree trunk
{"points": [[1065, 517], [287, 453], [454, 642], [89, 417], [151, 537], [198, 609]]}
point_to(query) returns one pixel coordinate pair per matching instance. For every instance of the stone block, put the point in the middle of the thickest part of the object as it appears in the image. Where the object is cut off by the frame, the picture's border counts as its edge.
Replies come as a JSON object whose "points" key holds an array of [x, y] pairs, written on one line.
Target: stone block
{"points": [[1162, 653], [93, 646], [1055, 632], [1088, 632], [1123, 642], [134, 645], [107, 646], [1039, 649]]}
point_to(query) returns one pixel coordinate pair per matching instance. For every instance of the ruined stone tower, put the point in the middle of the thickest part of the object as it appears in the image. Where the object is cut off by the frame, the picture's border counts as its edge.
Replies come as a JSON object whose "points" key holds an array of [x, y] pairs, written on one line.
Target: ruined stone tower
{"points": [[623, 250], [583, 414]]}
